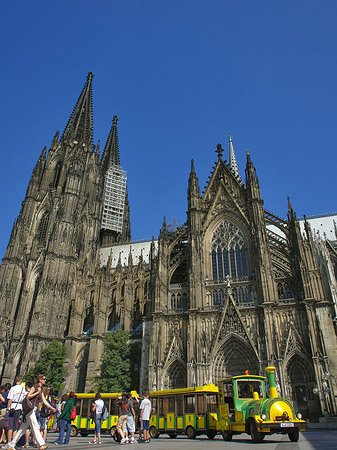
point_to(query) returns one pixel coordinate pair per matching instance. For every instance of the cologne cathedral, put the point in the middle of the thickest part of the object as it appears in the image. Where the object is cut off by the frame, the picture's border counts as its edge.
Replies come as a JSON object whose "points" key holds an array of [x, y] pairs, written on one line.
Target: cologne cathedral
{"points": [[234, 288]]}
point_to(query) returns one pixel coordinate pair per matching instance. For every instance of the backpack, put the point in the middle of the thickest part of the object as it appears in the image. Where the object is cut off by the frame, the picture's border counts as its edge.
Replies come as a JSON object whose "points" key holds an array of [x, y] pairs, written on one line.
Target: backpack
{"points": [[105, 413], [73, 414], [45, 411]]}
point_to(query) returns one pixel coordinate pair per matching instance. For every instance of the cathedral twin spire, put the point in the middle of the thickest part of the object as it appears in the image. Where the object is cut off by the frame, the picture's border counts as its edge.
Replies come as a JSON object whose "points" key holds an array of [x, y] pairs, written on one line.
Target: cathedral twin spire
{"points": [[111, 150], [79, 130], [79, 127]]}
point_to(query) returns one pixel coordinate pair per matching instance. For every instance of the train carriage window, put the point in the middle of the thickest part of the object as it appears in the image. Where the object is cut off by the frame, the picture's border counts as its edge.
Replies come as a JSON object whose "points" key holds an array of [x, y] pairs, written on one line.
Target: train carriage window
{"points": [[221, 394], [160, 407], [85, 407], [201, 404], [171, 405], [165, 406], [247, 387], [168, 405], [114, 407], [154, 401], [107, 403], [228, 390], [212, 402], [189, 404], [78, 407], [179, 403]]}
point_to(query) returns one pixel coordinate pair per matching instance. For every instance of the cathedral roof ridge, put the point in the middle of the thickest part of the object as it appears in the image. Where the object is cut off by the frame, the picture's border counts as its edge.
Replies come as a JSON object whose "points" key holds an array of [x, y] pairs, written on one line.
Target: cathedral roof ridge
{"points": [[317, 216], [129, 243]]}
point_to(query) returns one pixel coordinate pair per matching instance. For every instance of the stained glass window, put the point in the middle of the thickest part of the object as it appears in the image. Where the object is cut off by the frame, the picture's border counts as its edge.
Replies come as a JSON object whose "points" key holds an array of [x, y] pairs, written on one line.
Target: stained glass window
{"points": [[228, 252]]}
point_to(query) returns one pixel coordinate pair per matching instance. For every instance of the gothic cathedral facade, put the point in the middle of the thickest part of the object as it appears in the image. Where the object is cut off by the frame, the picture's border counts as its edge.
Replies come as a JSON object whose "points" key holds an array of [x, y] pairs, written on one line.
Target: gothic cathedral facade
{"points": [[234, 288]]}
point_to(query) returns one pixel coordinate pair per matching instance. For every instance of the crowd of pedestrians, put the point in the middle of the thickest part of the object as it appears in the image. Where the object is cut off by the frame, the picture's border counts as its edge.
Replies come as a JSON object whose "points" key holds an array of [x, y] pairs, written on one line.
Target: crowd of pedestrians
{"points": [[126, 425], [16, 427], [24, 429]]}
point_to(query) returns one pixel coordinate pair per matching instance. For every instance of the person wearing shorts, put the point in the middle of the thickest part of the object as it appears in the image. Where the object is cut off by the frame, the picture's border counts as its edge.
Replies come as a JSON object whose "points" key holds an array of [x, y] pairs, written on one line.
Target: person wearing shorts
{"points": [[15, 396], [122, 404], [145, 412], [42, 418], [130, 421]]}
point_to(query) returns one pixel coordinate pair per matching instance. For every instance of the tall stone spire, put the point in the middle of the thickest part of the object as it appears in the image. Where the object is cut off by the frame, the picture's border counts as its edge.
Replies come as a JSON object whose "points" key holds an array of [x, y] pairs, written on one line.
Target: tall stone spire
{"points": [[79, 127], [111, 150], [115, 225], [232, 159]]}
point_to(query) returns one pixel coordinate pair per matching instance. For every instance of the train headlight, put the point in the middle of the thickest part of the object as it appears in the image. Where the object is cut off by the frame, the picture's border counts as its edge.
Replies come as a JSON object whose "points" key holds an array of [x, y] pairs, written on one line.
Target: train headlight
{"points": [[263, 416], [299, 415]]}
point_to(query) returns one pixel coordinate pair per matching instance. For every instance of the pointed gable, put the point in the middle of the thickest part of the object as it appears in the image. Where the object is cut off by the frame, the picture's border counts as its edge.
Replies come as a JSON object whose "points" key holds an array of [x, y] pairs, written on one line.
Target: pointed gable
{"points": [[231, 322], [224, 192]]}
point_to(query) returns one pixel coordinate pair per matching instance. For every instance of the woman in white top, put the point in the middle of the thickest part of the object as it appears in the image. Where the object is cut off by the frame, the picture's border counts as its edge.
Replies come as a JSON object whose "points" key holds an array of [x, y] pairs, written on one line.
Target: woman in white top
{"points": [[97, 409]]}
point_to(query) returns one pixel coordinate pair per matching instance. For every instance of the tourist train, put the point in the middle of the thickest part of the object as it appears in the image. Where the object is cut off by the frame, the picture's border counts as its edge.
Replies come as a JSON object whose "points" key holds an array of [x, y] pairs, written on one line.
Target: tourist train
{"points": [[237, 404]]}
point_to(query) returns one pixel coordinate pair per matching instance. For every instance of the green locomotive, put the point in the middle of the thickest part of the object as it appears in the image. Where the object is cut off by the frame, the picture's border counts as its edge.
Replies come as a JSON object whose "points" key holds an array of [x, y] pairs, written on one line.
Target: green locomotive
{"points": [[244, 408]]}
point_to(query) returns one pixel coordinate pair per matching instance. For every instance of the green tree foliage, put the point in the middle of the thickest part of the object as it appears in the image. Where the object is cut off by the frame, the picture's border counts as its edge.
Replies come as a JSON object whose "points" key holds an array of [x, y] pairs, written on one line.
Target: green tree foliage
{"points": [[51, 364], [115, 363]]}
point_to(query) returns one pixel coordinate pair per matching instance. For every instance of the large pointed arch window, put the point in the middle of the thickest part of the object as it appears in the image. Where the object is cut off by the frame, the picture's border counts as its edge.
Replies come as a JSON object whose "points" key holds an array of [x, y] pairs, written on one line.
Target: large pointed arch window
{"points": [[228, 252], [42, 229], [57, 174]]}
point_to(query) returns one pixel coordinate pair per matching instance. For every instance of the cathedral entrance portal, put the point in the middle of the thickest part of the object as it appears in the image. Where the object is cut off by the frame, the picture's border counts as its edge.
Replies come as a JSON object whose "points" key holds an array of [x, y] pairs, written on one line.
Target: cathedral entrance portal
{"points": [[301, 381], [233, 357], [176, 376]]}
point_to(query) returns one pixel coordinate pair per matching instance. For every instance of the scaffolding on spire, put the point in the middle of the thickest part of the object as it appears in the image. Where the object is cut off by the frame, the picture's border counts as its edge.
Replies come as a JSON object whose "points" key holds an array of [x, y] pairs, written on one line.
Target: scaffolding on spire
{"points": [[114, 194], [115, 186]]}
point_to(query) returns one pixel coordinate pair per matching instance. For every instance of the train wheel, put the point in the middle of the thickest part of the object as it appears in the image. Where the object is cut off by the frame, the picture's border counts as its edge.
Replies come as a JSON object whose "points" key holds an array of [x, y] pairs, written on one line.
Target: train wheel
{"points": [[114, 434], [227, 435], [211, 434], [74, 431], [294, 435], [190, 432], [254, 434], [154, 433]]}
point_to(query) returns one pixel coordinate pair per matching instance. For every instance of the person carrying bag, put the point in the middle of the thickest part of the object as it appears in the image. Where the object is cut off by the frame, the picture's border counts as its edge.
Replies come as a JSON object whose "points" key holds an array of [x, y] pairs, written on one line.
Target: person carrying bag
{"points": [[65, 420], [34, 397]]}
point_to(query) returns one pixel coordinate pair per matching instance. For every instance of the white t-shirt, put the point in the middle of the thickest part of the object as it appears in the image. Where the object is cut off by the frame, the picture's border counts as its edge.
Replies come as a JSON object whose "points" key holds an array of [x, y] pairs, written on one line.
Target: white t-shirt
{"points": [[17, 393], [99, 406], [146, 407]]}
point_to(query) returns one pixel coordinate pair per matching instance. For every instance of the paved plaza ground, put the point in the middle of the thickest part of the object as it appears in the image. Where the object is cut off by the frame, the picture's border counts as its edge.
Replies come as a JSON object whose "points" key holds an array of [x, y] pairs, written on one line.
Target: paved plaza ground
{"points": [[311, 440]]}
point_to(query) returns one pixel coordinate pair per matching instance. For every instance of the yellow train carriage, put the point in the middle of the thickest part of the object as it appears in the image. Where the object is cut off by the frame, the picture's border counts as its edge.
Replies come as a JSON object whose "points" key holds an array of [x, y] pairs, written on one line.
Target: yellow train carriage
{"points": [[84, 425], [189, 411]]}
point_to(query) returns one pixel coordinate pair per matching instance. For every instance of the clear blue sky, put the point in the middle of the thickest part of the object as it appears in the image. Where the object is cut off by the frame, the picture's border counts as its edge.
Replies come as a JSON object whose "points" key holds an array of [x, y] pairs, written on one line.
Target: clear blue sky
{"points": [[180, 75]]}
